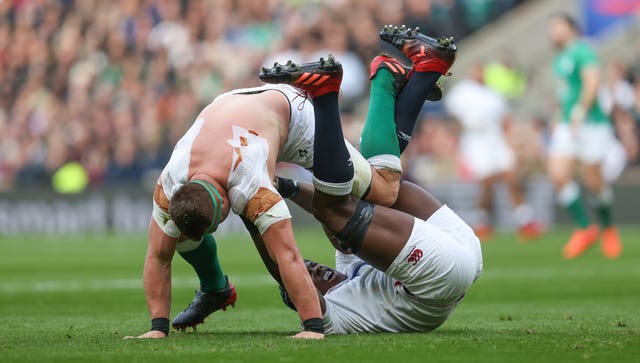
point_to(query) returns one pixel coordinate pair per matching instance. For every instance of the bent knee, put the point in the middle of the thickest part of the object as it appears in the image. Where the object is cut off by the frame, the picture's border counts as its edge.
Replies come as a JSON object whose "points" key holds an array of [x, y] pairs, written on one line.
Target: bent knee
{"points": [[384, 188], [333, 212], [593, 183]]}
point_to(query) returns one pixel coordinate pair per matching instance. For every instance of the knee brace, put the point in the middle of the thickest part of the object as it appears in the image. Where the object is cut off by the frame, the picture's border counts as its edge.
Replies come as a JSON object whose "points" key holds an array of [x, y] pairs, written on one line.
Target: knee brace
{"points": [[352, 235]]}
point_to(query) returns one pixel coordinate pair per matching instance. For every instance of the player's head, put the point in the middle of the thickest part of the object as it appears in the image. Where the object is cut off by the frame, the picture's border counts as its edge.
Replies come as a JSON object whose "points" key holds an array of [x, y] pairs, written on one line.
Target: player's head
{"points": [[196, 209], [322, 276], [563, 28]]}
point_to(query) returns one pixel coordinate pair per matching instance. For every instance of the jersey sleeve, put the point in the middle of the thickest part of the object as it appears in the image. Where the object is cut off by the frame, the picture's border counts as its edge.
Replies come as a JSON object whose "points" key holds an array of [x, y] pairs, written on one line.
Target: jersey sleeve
{"points": [[586, 56], [161, 212]]}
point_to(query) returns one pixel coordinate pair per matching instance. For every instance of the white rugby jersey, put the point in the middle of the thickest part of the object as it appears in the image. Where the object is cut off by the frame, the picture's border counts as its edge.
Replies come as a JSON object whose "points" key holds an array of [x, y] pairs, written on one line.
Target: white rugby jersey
{"points": [[371, 301], [299, 146]]}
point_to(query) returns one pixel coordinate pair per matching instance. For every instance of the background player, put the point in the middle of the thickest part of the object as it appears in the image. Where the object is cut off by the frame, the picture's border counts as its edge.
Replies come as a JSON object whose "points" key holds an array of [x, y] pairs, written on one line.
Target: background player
{"points": [[584, 134], [482, 112]]}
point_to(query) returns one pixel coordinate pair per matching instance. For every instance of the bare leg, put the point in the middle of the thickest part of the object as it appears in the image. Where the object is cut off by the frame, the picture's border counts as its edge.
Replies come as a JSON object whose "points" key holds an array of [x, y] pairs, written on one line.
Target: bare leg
{"points": [[510, 178], [387, 234], [485, 201], [416, 201]]}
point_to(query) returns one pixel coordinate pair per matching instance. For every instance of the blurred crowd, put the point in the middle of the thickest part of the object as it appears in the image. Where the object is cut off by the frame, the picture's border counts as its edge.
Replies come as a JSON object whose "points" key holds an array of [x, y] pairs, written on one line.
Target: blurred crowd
{"points": [[112, 85]]}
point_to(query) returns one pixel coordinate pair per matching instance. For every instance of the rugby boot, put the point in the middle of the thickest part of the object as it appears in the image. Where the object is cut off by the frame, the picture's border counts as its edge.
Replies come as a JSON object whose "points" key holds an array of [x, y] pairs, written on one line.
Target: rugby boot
{"points": [[401, 75], [315, 78], [580, 241], [611, 245], [203, 305], [426, 53], [531, 230], [483, 231]]}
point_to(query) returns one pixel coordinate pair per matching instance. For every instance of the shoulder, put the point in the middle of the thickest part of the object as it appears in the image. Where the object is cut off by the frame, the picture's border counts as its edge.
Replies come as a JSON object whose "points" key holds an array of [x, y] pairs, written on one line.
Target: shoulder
{"points": [[585, 53]]}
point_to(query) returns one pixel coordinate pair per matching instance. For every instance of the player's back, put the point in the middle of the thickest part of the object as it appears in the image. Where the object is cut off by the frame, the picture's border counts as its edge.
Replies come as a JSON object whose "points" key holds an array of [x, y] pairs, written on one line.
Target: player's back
{"points": [[215, 140], [265, 115]]}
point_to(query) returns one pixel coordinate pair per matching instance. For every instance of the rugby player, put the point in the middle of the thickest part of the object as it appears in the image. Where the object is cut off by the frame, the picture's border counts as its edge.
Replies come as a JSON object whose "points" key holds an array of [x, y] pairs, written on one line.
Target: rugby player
{"points": [[485, 151], [402, 271], [584, 135], [204, 179]]}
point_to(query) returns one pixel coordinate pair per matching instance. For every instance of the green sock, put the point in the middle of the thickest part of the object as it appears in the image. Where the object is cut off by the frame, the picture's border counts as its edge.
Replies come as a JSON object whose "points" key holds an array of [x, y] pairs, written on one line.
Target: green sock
{"points": [[578, 212], [204, 260], [379, 133], [604, 215], [603, 205]]}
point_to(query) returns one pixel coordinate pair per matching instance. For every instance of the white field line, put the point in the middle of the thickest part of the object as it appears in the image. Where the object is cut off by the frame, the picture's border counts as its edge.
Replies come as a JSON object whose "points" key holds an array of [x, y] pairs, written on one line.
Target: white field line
{"points": [[8, 287]]}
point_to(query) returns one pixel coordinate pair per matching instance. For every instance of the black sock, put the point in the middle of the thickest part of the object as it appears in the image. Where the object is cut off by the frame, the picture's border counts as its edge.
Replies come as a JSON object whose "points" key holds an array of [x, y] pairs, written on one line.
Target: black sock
{"points": [[331, 159], [409, 103]]}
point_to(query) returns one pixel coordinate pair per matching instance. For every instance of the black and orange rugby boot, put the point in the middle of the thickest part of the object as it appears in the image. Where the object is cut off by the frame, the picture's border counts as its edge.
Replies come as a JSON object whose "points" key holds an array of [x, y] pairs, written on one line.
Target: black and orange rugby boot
{"points": [[315, 78]]}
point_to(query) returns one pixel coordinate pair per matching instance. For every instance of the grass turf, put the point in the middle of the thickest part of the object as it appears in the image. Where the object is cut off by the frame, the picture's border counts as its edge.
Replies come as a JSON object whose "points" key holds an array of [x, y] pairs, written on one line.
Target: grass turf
{"points": [[74, 298]]}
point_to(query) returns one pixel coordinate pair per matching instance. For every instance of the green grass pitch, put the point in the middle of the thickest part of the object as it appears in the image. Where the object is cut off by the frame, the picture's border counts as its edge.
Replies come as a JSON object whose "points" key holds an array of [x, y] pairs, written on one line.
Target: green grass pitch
{"points": [[73, 299]]}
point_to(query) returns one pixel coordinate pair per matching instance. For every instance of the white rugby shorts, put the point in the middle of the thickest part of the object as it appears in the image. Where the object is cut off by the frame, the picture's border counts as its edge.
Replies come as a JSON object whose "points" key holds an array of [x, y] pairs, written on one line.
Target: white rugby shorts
{"points": [[440, 260], [590, 145]]}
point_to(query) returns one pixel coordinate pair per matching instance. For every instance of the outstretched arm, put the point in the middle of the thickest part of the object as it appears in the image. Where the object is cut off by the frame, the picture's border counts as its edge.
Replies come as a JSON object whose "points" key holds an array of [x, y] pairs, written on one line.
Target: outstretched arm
{"points": [[266, 259], [271, 266], [282, 250], [157, 276]]}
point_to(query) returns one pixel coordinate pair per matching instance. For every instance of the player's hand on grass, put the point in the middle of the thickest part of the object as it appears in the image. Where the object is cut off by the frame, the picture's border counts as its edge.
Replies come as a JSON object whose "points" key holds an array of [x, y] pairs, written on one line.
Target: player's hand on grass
{"points": [[153, 334], [308, 335]]}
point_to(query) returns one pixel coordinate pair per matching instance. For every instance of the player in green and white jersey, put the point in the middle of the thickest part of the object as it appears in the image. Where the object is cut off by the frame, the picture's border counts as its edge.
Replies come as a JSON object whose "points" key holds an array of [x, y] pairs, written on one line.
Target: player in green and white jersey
{"points": [[583, 135]]}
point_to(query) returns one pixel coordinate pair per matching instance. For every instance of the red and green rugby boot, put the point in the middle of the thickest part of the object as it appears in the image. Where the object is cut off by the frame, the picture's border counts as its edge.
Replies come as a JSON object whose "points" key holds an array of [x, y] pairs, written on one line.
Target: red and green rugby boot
{"points": [[427, 54]]}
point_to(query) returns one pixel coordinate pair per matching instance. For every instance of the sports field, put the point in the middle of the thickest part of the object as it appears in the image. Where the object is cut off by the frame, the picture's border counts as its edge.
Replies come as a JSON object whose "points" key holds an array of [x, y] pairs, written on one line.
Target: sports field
{"points": [[74, 298]]}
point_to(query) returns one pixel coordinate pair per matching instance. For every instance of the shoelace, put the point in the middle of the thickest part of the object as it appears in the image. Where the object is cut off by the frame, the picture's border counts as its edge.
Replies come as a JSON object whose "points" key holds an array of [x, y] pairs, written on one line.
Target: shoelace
{"points": [[305, 96]]}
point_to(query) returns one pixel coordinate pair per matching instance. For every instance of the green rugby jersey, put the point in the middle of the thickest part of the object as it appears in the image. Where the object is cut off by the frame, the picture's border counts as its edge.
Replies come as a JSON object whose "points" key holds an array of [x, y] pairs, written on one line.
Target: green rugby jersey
{"points": [[567, 68]]}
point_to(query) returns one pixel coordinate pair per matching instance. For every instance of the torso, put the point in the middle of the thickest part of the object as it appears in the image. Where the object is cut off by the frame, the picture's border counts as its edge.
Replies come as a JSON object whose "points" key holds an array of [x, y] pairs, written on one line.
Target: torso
{"points": [[204, 151], [567, 68], [266, 113]]}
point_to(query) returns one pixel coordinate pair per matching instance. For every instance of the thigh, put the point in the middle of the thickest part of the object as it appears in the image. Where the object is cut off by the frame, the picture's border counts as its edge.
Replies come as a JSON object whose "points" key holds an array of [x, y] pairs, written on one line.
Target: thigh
{"points": [[595, 142], [435, 264], [592, 177], [562, 143], [386, 235], [416, 201], [560, 169]]}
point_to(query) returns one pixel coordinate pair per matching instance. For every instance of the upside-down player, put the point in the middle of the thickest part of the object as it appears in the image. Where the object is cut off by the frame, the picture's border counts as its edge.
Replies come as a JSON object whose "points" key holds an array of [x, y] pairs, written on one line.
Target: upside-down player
{"points": [[407, 271]]}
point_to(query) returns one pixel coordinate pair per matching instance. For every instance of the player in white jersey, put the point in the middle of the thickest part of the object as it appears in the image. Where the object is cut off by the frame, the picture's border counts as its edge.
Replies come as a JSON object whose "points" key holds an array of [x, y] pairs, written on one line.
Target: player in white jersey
{"points": [[226, 160], [407, 270], [485, 152], [253, 128], [421, 288]]}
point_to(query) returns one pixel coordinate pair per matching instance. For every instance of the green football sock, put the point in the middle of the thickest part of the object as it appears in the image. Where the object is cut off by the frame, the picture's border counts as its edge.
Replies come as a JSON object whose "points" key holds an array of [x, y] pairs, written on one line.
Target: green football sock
{"points": [[379, 133], [604, 215], [603, 205], [578, 211], [204, 260]]}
